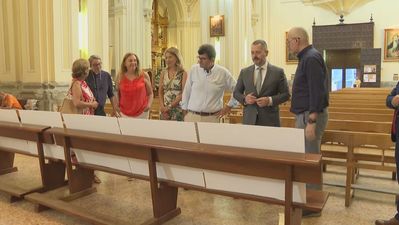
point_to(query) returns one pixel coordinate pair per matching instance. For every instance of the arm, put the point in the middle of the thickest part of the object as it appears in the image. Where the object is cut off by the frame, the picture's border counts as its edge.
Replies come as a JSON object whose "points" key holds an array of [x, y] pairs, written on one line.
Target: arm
{"points": [[230, 85], [115, 106], [112, 98], [178, 98], [238, 92], [186, 92], [283, 93], [392, 100], [161, 93], [77, 96], [150, 94], [314, 75]]}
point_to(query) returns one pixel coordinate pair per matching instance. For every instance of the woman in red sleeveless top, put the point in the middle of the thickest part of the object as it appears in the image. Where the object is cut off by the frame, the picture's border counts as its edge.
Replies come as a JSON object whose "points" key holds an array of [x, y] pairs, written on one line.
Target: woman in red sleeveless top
{"points": [[134, 88]]}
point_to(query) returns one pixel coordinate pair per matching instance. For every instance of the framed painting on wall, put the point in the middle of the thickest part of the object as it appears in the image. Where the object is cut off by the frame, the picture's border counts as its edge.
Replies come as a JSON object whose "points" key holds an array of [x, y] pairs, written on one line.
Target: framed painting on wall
{"points": [[391, 45], [216, 26], [290, 58]]}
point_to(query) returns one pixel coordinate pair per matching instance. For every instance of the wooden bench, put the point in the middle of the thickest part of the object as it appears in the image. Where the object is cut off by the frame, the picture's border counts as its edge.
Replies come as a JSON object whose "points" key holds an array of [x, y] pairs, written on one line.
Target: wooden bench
{"points": [[349, 116], [381, 110], [26, 139], [155, 153], [357, 156]]}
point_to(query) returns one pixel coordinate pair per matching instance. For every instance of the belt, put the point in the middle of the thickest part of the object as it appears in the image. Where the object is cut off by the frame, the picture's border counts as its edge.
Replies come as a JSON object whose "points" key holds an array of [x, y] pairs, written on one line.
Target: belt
{"points": [[204, 113]]}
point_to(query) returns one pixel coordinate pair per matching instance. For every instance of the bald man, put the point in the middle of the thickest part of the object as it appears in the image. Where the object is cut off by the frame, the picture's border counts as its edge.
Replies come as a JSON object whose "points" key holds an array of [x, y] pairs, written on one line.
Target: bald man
{"points": [[309, 99]]}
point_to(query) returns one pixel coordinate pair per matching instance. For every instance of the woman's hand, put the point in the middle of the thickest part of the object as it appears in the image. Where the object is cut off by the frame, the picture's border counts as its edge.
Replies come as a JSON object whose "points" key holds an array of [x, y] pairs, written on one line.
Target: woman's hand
{"points": [[147, 108], [164, 109], [94, 104]]}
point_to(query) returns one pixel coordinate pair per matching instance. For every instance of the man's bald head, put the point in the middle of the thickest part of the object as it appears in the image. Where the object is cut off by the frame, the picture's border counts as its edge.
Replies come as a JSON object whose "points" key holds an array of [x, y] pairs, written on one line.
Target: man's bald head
{"points": [[299, 32], [297, 39]]}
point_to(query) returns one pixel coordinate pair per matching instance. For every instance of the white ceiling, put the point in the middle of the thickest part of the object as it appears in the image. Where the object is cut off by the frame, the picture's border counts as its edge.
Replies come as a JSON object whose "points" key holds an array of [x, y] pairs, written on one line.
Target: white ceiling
{"points": [[339, 7]]}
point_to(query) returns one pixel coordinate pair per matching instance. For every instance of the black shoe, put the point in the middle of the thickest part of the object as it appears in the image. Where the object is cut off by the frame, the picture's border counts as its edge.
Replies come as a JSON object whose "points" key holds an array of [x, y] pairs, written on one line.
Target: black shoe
{"points": [[307, 213]]}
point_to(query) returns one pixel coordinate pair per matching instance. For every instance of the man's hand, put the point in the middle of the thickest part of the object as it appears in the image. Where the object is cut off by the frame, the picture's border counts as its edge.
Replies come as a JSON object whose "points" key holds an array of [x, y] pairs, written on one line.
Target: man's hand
{"points": [[395, 101], [262, 101], [250, 99], [117, 113], [224, 111], [310, 131]]}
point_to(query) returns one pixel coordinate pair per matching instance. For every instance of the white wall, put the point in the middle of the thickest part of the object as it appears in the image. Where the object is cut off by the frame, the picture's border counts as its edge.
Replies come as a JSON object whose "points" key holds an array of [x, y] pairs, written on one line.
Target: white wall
{"points": [[283, 15]]}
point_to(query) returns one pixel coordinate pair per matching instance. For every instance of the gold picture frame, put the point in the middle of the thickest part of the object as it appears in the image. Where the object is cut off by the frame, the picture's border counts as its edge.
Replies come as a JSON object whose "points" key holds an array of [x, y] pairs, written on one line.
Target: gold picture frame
{"points": [[290, 58], [216, 26], [391, 45]]}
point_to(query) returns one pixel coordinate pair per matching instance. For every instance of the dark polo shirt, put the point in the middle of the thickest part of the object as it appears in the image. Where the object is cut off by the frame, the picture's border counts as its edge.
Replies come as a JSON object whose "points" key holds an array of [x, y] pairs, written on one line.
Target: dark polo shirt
{"points": [[101, 86], [310, 86]]}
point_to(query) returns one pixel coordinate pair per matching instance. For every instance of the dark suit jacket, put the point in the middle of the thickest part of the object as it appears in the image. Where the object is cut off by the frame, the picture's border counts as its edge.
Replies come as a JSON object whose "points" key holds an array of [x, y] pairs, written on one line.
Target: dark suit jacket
{"points": [[395, 120], [275, 86]]}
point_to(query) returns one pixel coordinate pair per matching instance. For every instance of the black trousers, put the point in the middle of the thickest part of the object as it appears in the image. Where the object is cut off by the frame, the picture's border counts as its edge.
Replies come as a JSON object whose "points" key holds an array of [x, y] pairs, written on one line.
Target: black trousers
{"points": [[99, 111]]}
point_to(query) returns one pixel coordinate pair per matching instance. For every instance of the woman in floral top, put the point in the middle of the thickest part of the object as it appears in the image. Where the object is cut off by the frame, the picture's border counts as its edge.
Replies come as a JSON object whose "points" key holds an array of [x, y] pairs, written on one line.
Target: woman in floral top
{"points": [[82, 97], [171, 84]]}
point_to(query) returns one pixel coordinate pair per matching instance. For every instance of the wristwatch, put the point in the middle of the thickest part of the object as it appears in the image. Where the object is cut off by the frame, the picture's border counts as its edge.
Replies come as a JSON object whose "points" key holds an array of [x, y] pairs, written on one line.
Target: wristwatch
{"points": [[311, 121]]}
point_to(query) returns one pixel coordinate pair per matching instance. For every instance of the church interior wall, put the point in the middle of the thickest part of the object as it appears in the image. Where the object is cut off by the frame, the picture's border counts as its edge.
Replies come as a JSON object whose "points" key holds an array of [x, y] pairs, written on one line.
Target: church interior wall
{"points": [[40, 41]]}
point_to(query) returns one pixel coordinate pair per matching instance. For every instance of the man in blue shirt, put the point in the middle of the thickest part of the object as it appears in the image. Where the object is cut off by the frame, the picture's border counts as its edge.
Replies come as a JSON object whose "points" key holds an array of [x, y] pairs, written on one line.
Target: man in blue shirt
{"points": [[309, 99], [309, 90], [392, 102], [100, 84]]}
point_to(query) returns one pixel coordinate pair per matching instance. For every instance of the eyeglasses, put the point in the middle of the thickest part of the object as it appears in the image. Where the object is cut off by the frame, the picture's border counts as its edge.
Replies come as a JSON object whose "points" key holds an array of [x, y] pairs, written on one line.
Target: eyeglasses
{"points": [[290, 39], [97, 64], [201, 58]]}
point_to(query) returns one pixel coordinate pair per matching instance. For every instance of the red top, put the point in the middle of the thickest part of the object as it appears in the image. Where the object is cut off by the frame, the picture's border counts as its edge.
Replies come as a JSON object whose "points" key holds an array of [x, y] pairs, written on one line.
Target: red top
{"points": [[133, 97]]}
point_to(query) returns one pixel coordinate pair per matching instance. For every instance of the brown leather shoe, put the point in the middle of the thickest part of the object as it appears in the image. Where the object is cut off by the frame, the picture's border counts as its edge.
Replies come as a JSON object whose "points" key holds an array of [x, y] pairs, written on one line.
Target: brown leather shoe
{"points": [[392, 221]]}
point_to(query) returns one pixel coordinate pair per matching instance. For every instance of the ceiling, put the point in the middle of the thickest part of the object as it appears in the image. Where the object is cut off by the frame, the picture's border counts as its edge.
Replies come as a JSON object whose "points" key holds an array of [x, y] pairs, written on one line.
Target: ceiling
{"points": [[339, 7]]}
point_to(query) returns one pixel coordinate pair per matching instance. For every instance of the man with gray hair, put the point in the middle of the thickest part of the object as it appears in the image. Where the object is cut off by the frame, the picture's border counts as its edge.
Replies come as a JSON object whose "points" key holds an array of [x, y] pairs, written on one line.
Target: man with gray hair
{"points": [[100, 83], [309, 100], [261, 88]]}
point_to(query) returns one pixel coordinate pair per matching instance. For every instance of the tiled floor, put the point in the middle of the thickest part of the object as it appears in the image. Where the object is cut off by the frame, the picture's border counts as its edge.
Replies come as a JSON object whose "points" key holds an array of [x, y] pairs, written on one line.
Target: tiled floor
{"points": [[130, 201]]}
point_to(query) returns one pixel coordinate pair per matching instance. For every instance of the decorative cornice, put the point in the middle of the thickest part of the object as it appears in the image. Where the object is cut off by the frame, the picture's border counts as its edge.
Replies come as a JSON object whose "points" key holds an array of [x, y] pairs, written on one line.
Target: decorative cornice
{"points": [[339, 7]]}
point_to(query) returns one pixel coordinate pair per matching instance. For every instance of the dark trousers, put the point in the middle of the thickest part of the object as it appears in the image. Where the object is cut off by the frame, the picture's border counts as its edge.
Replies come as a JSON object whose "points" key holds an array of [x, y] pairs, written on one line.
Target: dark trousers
{"points": [[99, 111], [397, 164]]}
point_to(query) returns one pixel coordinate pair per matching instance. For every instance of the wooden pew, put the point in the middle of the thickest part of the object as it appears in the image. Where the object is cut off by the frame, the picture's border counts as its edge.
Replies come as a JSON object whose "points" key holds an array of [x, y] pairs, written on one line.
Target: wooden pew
{"points": [[381, 110], [15, 138], [290, 167], [349, 116], [356, 157], [355, 145]]}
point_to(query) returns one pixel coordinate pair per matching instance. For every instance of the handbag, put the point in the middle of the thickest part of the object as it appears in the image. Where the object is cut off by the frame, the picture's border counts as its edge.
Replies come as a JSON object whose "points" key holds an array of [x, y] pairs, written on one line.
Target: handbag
{"points": [[67, 106]]}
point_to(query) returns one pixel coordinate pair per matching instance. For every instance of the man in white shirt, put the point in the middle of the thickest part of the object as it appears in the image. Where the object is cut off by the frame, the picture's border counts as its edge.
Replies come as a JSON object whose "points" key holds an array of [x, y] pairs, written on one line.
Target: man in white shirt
{"points": [[205, 86]]}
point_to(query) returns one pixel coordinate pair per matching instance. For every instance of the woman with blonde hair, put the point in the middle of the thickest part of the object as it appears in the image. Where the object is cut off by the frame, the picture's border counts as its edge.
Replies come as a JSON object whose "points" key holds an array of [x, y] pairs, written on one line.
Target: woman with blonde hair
{"points": [[82, 97], [171, 85], [134, 88]]}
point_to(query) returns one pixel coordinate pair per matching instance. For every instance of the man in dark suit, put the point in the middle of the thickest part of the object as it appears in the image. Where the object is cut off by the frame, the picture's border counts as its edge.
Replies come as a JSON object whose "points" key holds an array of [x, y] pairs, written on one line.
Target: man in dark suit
{"points": [[261, 88]]}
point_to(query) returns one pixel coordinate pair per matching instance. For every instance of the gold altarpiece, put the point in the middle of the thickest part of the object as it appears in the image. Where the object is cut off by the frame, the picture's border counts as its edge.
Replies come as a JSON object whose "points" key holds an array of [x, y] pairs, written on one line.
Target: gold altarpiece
{"points": [[159, 42]]}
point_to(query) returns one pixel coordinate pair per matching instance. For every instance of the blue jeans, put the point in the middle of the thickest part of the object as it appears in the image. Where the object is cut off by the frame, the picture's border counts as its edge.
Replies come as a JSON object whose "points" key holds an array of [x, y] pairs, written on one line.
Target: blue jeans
{"points": [[313, 146]]}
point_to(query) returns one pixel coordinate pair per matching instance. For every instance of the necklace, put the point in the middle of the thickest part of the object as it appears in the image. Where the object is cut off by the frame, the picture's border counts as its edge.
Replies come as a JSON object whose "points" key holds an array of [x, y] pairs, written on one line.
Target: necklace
{"points": [[173, 75]]}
